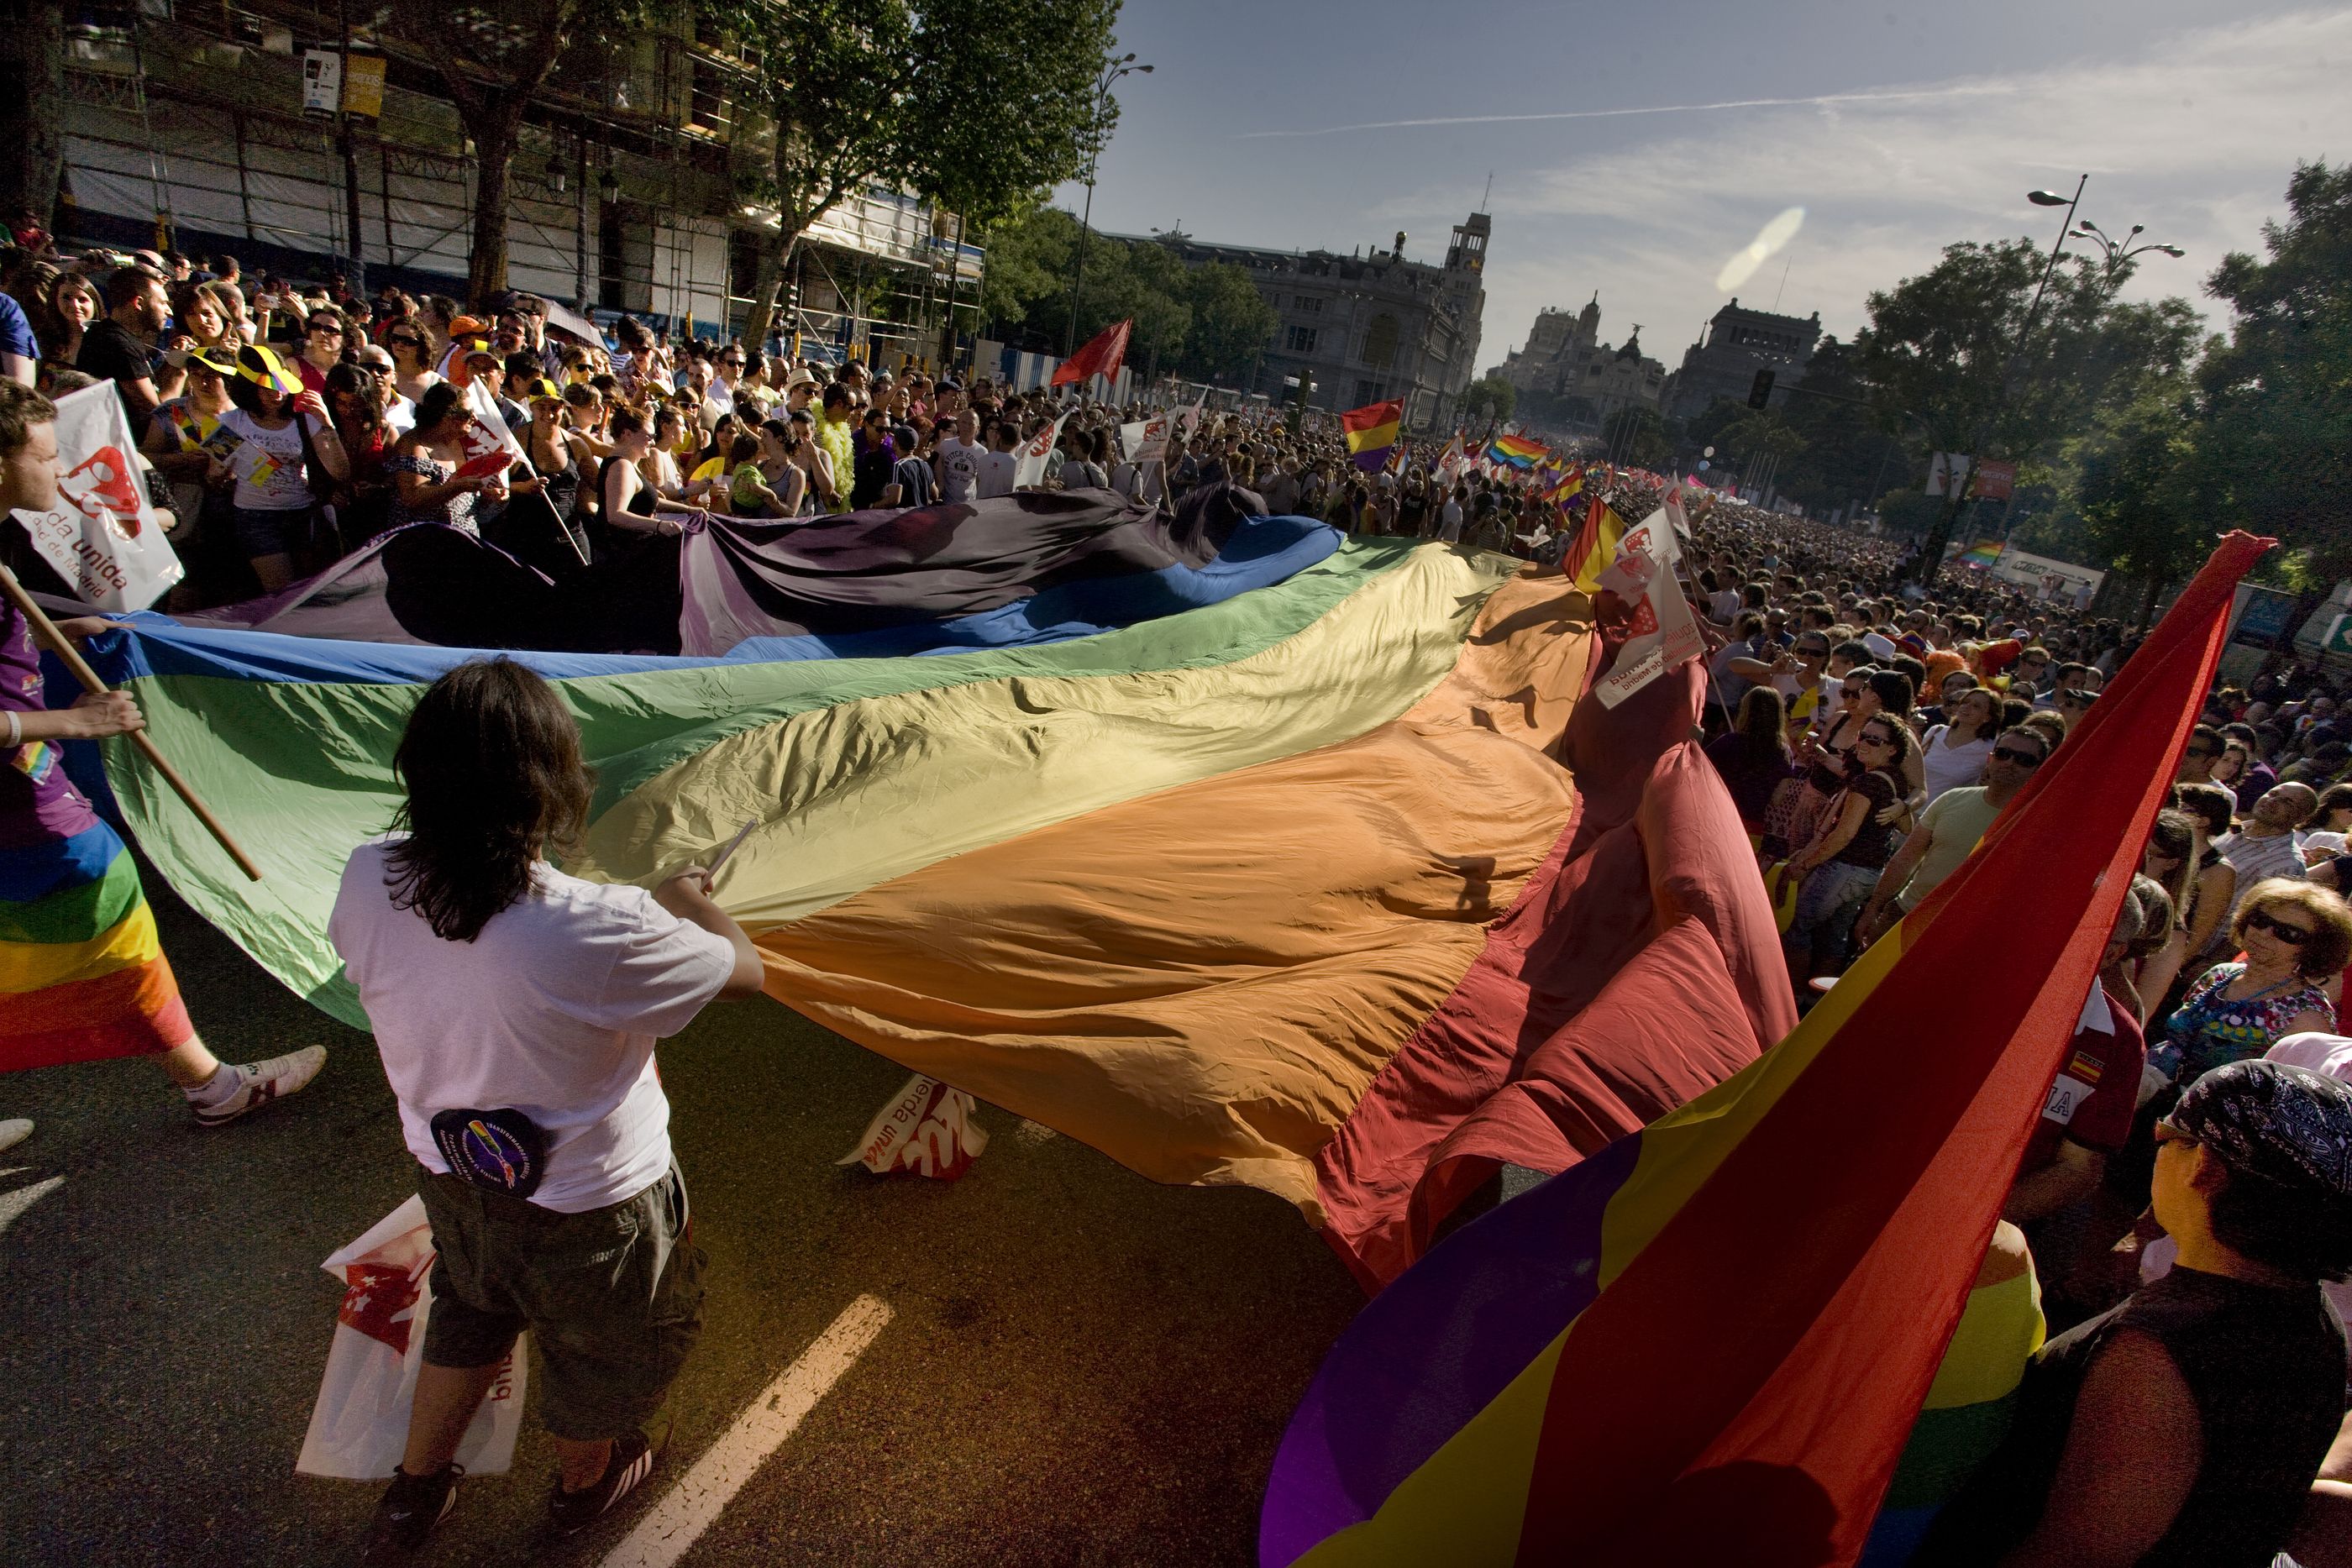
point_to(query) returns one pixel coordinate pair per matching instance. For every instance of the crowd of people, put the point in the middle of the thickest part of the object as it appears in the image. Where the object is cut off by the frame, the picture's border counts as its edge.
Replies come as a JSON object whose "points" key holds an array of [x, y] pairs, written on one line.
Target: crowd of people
{"points": [[1869, 732]]}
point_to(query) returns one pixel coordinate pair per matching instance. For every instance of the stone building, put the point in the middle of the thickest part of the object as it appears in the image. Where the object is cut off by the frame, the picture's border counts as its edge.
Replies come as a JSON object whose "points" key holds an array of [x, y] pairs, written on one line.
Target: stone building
{"points": [[1580, 378], [1735, 345], [1366, 328]]}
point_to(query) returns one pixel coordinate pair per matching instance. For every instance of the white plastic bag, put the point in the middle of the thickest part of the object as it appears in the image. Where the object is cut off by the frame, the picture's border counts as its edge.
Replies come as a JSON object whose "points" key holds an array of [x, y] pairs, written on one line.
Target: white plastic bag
{"points": [[926, 1129], [358, 1427]]}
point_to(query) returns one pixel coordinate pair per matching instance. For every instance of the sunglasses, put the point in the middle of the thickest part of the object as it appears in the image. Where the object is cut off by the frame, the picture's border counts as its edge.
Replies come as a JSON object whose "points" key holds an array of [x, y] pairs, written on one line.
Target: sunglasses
{"points": [[2202, 751], [400, 342], [1866, 738], [1813, 650], [2292, 936], [2012, 754], [326, 328]]}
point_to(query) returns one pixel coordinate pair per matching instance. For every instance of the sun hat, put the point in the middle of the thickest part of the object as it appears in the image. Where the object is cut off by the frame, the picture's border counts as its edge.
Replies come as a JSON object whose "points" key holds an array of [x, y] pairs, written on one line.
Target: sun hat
{"points": [[265, 369]]}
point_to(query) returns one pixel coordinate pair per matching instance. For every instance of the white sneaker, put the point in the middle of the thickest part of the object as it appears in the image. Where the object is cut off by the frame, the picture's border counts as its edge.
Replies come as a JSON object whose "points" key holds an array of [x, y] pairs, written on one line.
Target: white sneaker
{"points": [[264, 1081], [15, 1131]]}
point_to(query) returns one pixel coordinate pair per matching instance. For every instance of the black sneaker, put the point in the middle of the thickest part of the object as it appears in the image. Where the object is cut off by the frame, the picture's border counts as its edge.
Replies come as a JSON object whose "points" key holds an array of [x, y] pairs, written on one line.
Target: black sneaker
{"points": [[412, 1506], [570, 1513]]}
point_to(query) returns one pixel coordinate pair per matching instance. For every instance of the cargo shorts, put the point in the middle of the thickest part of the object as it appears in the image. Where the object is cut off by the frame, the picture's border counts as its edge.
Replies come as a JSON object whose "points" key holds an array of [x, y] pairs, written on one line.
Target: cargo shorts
{"points": [[613, 1297]]}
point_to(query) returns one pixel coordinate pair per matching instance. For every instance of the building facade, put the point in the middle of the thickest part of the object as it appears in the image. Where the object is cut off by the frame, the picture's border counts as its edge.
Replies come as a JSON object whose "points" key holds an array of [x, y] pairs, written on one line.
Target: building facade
{"points": [[206, 129], [1364, 327], [1735, 345], [1577, 378]]}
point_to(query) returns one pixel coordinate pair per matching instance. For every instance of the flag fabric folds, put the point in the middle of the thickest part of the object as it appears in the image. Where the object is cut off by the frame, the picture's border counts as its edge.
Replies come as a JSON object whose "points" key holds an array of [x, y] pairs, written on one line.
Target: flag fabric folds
{"points": [[1370, 433], [1100, 355], [1708, 1340], [1269, 887], [1982, 554], [1521, 451], [1595, 546]]}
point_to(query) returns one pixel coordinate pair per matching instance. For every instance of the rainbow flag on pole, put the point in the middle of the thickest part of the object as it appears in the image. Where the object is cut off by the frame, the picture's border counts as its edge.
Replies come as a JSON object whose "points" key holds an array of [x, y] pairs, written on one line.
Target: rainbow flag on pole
{"points": [[1982, 554], [1518, 451], [1719, 1332], [1371, 433]]}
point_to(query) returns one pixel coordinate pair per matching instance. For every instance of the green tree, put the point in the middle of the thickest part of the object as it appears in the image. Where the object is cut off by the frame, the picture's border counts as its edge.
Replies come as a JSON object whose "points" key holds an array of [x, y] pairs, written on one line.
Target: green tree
{"points": [[1845, 454], [1490, 397], [975, 103], [1636, 437], [494, 58], [2145, 495], [1943, 345], [1964, 350], [1028, 262], [1232, 322], [2276, 396]]}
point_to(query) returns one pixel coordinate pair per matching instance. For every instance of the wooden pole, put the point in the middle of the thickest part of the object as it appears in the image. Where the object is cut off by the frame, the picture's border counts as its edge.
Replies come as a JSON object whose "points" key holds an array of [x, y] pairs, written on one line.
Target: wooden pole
{"points": [[64, 650]]}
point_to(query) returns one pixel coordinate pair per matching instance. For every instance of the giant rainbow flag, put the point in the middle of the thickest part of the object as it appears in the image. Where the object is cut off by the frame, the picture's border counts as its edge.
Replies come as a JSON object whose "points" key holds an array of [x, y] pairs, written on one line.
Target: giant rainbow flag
{"points": [[1710, 1342], [1305, 868]]}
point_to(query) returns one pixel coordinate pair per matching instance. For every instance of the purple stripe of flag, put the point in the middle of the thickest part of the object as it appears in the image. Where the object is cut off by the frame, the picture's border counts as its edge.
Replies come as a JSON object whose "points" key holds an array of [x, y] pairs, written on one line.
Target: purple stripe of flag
{"points": [[1437, 1346]]}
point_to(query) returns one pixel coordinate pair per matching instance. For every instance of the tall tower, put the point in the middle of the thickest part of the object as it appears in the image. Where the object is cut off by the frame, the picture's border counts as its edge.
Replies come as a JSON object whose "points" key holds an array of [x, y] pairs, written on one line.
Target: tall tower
{"points": [[1465, 290], [1587, 322]]}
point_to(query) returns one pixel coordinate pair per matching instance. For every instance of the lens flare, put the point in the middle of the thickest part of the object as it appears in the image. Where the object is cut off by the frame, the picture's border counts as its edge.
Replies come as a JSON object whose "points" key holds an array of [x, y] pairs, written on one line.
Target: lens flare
{"points": [[1751, 255]]}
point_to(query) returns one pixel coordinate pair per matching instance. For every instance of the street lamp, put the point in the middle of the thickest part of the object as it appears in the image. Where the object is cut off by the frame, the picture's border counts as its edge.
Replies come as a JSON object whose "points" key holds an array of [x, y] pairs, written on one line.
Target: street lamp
{"points": [[1113, 68], [2120, 251]]}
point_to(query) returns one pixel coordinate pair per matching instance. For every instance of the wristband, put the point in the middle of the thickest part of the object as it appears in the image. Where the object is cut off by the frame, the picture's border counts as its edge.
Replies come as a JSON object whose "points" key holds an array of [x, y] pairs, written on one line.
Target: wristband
{"points": [[16, 729]]}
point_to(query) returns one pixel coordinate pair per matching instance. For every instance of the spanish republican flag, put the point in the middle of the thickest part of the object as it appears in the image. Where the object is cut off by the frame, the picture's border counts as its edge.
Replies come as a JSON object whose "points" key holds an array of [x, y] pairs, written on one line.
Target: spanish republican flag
{"points": [[1371, 431], [1100, 355], [1712, 1341]]}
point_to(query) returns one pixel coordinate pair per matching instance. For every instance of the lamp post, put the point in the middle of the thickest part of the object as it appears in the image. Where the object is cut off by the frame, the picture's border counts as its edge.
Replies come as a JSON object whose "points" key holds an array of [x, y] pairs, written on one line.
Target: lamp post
{"points": [[1113, 68], [2119, 252]]}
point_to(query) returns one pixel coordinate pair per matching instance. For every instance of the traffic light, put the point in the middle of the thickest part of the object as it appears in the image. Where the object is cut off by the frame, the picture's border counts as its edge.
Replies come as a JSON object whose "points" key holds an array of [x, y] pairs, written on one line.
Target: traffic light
{"points": [[1762, 393]]}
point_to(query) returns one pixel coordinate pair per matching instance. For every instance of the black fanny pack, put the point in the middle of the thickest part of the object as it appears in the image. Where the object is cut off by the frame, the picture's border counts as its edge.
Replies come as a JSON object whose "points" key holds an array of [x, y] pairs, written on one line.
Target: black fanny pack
{"points": [[502, 1151]]}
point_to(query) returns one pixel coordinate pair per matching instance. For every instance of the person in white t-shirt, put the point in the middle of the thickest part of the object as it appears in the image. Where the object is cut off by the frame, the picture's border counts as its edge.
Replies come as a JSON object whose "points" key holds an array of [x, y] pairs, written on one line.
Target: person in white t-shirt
{"points": [[999, 463], [958, 460], [516, 1010]]}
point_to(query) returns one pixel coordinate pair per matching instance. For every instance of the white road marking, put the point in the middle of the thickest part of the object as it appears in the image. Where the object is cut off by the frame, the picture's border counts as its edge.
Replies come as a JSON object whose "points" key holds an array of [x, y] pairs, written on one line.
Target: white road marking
{"points": [[663, 1536], [13, 1205]]}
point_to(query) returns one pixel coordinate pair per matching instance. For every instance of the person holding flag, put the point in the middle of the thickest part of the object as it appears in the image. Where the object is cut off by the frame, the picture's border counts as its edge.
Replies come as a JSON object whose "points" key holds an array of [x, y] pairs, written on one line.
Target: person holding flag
{"points": [[82, 975]]}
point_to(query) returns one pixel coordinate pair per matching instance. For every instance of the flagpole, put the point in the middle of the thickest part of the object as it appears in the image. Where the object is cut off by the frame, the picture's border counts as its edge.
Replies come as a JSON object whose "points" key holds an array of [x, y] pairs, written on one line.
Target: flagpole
{"points": [[60, 644]]}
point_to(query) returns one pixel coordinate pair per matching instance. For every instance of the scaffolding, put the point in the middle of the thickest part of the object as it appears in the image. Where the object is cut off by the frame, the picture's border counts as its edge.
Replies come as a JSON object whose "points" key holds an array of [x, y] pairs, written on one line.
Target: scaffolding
{"points": [[623, 186]]}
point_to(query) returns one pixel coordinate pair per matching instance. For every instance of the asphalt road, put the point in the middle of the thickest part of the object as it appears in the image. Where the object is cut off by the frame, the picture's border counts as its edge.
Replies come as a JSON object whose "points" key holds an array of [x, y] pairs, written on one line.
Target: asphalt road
{"points": [[1079, 1366]]}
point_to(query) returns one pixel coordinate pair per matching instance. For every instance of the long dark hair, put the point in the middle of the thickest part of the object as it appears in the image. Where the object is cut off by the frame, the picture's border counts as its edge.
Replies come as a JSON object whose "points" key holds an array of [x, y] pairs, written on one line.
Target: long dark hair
{"points": [[492, 766]]}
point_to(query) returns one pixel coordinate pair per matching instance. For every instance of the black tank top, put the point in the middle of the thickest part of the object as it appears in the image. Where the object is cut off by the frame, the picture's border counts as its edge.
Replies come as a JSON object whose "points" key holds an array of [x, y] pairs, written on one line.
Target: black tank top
{"points": [[2266, 1366]]}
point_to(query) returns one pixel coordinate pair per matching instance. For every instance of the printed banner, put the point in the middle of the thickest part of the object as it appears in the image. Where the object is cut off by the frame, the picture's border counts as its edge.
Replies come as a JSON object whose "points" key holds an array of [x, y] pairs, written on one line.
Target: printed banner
{"points": [[1663, 634], [105, 536], [927, 1129]]}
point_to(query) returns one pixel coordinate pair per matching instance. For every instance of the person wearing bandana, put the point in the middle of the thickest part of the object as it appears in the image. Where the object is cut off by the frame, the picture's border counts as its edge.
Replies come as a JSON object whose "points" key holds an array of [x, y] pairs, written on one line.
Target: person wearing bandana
{"points": [[2186, 1426]]}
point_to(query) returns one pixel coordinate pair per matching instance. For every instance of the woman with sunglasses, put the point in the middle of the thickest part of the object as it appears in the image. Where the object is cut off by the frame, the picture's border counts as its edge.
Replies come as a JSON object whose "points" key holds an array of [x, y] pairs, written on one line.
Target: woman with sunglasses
{"points": [[324, 336], [2296, 938], [1838, 869], [412, 361], [2216, 891]]}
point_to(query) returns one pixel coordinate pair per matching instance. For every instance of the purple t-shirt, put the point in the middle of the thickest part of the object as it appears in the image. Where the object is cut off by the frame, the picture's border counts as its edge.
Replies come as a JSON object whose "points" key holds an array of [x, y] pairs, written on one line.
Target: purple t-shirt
{"points": [[37, 803]]}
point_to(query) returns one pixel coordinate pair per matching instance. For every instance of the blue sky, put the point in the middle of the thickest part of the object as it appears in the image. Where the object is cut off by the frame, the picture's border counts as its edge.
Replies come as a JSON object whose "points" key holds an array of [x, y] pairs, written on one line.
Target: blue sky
{"points": [[1913, 126]]}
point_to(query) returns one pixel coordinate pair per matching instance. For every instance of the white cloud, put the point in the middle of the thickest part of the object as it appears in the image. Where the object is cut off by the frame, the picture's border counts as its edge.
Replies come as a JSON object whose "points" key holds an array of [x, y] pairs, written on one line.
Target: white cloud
{"points": [[2195, 136]]}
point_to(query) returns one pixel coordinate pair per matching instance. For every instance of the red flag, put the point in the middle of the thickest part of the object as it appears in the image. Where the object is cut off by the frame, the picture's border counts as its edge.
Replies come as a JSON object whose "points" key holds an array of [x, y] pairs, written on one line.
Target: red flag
{"points": [[1101, 355]]}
